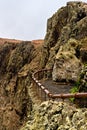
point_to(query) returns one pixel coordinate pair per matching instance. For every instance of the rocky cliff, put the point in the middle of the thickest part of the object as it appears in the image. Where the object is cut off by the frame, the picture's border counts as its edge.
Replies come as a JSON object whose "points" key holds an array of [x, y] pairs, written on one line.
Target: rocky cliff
{"points": [[65, 51], [65, 46], [18, 59]]}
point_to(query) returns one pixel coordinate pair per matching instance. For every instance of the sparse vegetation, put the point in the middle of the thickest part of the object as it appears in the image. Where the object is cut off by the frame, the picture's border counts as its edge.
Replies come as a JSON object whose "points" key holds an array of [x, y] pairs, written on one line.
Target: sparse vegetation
{"points": [[75, 89]]}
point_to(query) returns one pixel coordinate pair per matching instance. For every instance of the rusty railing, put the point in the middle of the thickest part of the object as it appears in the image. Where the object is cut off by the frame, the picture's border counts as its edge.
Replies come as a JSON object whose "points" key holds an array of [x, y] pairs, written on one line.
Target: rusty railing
{"points": [[44, 93]]}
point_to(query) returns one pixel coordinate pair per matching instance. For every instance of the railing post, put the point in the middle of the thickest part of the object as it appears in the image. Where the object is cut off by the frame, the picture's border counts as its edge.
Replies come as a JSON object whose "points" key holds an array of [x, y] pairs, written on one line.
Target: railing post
{"points": [[42, 96], [62, 99], [45, 96], [40, 93]]}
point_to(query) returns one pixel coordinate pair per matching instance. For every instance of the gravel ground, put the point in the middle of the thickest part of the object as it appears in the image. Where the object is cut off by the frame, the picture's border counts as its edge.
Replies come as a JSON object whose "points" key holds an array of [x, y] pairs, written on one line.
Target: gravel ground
{"points": [[56, 87]]}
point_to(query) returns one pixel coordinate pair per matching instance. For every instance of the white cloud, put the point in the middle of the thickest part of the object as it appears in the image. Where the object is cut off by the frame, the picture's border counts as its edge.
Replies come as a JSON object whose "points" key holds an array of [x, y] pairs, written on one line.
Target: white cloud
{"points": [[26, 19]]}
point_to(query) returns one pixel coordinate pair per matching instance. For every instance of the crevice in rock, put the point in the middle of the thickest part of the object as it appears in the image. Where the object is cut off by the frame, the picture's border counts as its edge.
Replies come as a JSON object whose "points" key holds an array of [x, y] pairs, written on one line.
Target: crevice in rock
{"points": [[81, 15]]}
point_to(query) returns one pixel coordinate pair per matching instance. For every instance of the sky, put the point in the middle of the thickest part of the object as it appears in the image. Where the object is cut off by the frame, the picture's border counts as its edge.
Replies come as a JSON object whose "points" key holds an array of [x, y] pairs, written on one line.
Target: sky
{"points": [[27, 19]]}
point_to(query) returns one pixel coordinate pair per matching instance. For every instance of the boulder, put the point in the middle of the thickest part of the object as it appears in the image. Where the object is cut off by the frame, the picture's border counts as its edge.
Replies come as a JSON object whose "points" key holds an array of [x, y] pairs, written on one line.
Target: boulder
{"points": [[67, 66]]}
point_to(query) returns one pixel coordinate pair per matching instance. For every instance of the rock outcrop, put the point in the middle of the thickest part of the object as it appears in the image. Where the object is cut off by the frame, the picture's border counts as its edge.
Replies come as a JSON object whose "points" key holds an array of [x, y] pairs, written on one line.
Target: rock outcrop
{"points": [[57, 116], [65, 51], [16, 60], [67, 66], [65, 44]]}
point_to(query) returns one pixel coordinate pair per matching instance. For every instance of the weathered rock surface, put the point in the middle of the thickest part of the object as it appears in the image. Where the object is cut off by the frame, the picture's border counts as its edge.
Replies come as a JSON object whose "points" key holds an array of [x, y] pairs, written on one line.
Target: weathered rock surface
{"points": [[57, 116], [15, 73], [64, 50], [83, 79], [65, 44], [67, 66]]}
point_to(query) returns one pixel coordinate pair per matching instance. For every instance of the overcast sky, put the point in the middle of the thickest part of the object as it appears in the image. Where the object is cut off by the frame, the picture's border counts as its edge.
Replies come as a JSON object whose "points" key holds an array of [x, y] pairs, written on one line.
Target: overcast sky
{"points": [[27, 19]]}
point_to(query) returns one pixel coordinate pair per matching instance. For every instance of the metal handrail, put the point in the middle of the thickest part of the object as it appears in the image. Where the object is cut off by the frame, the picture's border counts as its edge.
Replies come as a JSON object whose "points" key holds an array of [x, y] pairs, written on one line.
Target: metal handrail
{"points": [[36, 77]]}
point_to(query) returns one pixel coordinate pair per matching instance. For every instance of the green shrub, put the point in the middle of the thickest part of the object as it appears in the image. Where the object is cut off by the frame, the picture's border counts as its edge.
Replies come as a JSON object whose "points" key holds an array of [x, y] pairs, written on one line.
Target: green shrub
{"points": [[75, 89]]}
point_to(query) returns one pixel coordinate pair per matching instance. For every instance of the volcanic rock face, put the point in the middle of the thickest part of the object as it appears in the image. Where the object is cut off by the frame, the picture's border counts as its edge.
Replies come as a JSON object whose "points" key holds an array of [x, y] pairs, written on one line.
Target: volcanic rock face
{"points": [[57, 116], [65, 45], [67, 65], [14, 98]]}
